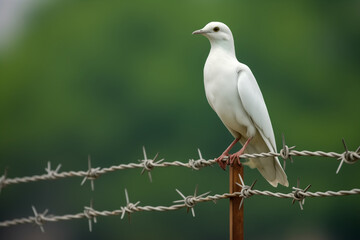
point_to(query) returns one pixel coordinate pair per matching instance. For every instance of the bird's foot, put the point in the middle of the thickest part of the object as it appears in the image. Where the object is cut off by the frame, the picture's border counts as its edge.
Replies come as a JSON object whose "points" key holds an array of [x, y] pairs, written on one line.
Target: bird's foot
{"points": [[236, 156], [220, 161]]}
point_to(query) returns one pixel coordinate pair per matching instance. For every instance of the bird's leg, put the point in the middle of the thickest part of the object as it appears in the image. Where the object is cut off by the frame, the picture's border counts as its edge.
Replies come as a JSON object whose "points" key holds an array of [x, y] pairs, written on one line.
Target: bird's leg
{"points": [[226, 153], [236, 156]]}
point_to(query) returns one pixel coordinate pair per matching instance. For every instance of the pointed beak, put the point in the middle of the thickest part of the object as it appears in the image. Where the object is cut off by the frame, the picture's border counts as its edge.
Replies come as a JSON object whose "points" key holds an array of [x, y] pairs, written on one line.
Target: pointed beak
{"points": [[200, 31]]}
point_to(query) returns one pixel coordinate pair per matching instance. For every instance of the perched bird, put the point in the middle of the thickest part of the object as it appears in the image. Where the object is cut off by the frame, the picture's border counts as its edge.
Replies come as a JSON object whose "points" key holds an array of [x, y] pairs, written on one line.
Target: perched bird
{"points": [[233, 93]]}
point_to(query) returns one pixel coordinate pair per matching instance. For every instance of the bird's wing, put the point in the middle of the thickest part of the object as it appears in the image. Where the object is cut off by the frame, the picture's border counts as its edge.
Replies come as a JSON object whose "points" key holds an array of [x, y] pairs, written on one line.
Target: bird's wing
{"points": [[254, 104]]}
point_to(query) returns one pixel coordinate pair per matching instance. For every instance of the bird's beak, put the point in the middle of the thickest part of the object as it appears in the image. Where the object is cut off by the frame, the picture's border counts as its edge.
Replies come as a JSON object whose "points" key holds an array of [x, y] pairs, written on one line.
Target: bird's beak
{"points": [[200, 31]]}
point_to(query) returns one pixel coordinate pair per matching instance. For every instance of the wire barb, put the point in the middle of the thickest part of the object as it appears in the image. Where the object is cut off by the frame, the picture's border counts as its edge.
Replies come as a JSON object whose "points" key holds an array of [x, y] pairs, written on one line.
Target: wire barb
{"points": [[246, 191], [39, 218], [285, 152], [52, 173], [348, 157], [298, 194], [190, 200], [129, 208], [199, 163], [149, 163], [90, 214], [92, 174]]}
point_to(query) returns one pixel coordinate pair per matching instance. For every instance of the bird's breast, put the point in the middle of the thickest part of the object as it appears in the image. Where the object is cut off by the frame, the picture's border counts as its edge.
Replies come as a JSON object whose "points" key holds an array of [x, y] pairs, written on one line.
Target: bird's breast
{"points": [[221, 90]]}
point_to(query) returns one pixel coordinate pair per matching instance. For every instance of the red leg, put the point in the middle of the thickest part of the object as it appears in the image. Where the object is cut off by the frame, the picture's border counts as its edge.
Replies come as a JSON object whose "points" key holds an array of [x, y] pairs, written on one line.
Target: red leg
{"points": [[226, 153], [236, 156]]}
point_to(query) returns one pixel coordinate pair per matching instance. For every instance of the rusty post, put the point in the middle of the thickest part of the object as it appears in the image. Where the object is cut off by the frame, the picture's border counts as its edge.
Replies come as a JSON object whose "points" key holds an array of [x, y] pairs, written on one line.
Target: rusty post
{"points": [[236, 214]]}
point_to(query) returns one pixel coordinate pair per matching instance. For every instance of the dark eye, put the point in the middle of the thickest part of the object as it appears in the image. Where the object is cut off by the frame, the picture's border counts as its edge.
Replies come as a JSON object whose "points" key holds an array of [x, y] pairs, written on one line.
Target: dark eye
{"points": [[216, 29]]}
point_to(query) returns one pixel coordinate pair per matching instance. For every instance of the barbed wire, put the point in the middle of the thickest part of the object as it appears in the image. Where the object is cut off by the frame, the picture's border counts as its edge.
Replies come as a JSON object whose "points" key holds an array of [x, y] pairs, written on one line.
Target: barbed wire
{"points": [[188, 202], [297, 194], [147, 165]]}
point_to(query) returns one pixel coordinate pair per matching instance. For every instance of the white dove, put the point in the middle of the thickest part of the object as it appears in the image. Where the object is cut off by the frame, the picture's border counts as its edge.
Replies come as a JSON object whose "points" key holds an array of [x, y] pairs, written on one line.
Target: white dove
{"points": [[233, 93]]}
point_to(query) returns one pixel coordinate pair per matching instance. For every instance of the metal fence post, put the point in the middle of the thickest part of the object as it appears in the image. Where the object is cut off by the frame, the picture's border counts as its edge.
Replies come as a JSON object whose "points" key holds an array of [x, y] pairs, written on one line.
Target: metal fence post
{"points": [[236, 214]]}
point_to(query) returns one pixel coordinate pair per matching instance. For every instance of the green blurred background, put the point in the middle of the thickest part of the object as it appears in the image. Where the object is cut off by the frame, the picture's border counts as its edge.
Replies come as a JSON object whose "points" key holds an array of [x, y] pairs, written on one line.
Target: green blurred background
{"points": [[107, 77]]}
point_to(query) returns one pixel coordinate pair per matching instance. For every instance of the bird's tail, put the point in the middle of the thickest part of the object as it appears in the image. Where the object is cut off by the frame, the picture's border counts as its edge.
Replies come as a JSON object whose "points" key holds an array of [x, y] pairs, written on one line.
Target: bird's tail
{"points": [[272, 175]]}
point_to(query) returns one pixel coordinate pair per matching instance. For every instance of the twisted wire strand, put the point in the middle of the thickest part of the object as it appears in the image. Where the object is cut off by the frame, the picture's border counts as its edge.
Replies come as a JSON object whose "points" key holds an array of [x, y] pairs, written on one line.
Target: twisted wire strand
{"points": [[149, 164], [130, 208]]}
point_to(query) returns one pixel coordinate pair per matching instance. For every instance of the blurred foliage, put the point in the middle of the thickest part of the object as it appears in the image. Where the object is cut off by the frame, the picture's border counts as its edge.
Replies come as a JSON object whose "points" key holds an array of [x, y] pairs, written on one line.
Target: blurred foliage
{"points": [[107, 77]]}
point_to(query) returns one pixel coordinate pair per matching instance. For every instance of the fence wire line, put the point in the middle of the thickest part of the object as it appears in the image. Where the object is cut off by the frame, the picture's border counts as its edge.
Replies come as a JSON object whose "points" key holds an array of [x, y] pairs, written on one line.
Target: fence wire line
{"points": [[147, 165], [189, 202]]}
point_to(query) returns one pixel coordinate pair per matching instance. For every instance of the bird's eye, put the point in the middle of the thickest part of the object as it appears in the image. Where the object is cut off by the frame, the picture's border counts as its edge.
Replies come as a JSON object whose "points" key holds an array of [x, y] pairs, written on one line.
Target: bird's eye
{"points": [[216, 29]]}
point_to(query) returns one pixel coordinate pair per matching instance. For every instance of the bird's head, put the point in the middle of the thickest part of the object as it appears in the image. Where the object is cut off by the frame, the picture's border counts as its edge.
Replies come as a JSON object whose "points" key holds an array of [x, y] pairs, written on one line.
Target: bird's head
{"points": [[218, 34], [216, 31]]}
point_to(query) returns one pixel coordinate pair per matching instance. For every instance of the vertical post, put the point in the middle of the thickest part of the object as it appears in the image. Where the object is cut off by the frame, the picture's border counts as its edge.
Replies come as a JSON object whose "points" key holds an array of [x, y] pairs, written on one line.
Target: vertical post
{"points": [[236, 214]]}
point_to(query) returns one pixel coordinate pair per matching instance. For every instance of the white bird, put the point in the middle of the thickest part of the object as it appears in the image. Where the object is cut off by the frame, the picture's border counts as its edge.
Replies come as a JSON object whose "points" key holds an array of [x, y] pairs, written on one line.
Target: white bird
{"points": [[233, 93]]}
